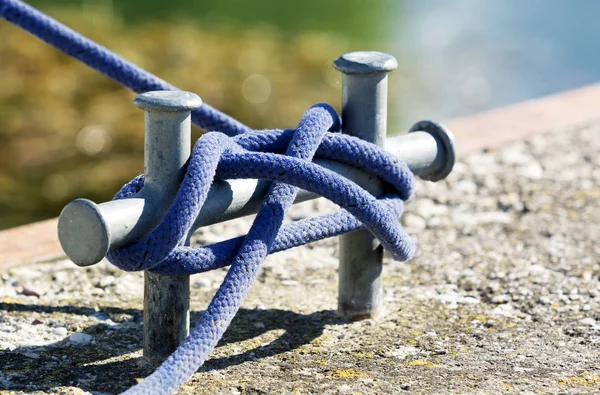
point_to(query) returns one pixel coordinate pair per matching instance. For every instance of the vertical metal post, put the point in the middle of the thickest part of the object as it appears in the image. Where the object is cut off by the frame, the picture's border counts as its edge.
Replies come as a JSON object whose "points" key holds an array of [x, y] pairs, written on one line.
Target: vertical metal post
{"points": [[364, 115], [167, 142]]}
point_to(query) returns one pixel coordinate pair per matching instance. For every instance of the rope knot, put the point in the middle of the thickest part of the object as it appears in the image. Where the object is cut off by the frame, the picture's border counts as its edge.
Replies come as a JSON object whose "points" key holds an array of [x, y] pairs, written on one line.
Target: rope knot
{"points": [[285, 158], [261, 155], [281, 156]]}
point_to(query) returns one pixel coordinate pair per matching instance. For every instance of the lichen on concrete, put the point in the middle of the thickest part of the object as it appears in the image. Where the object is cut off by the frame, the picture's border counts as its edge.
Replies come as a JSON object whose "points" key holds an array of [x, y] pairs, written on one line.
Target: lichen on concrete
{"points": [[503, 297]]}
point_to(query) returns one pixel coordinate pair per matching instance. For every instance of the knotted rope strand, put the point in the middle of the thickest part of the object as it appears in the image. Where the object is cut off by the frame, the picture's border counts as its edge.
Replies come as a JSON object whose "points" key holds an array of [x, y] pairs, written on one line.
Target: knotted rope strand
{"points": [[251, 154], [364, 156], [217, 155]]}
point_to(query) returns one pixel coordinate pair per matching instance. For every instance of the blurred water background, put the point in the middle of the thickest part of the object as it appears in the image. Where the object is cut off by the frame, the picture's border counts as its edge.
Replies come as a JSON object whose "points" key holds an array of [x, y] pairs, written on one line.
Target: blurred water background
{"points": [[67, 132]]}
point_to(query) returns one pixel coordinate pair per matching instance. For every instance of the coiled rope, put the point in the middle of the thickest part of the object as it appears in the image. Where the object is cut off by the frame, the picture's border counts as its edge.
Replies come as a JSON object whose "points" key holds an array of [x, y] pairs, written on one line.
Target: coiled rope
{"points": [[281, 156]]}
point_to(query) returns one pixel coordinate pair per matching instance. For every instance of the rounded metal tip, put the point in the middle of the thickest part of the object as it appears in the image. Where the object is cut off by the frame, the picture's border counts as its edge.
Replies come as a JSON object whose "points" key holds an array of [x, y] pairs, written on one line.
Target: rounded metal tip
{"points": [[83, 233], [446, 138], [365, 62], [168, 101]]}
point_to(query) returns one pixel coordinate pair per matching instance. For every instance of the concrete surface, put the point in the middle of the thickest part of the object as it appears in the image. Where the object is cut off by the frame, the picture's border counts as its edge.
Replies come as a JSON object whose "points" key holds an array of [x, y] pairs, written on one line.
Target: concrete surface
{"points": [[503, 297]]}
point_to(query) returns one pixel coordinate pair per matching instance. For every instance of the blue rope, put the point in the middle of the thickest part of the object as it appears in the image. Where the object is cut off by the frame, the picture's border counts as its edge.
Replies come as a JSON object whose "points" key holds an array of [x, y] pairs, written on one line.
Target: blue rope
{"points": [[255, 155], [219, 157], [281, 156]]}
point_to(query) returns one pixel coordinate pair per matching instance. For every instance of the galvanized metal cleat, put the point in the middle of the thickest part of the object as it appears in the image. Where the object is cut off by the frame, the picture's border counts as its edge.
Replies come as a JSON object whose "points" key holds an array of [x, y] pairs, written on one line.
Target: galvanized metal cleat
{"points": [[88, 231]]}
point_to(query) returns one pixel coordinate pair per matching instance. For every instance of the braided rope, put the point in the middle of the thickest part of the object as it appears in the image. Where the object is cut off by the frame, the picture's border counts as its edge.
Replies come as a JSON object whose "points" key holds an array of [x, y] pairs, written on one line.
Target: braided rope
{"points": [[281, 156], [218, 157], [241, 162]]}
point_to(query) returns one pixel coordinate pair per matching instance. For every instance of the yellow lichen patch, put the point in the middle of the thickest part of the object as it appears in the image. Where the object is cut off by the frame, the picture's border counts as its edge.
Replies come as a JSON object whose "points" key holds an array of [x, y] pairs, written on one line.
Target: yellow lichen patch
{"points": [[421, 362], [364, 355], [321, 340], [583, 380], [118, 358], [587, 193], [348, 374], [573, 214], [249, 345], [8, 299], [309, 349], [479, 317]]}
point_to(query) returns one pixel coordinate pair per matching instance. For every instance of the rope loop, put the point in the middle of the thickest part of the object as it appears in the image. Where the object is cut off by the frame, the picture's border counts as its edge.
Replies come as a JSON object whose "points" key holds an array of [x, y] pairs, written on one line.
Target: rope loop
{"points": [[236, 151], [285, 158], [219, 157]]}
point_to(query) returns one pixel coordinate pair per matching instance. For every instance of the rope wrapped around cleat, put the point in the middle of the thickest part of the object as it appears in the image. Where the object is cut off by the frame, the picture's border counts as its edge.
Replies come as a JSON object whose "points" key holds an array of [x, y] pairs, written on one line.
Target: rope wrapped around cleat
{"points": [[236, 151], [258, 155]]}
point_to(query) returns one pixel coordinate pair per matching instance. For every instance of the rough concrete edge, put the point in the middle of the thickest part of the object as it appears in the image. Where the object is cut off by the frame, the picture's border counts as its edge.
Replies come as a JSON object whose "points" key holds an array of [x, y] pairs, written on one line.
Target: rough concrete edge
{"points": [[38, 242], [492, 129]]}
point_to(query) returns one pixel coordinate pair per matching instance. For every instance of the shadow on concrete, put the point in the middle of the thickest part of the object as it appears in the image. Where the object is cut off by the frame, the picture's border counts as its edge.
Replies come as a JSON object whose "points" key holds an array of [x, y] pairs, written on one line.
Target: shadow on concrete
{"points": [[107, 366]]}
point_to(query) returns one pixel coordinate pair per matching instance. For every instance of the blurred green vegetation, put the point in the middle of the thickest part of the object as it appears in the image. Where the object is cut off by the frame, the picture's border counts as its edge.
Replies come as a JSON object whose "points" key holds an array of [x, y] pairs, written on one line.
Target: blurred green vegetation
{"points": [[356, 19], [67, 132]]}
